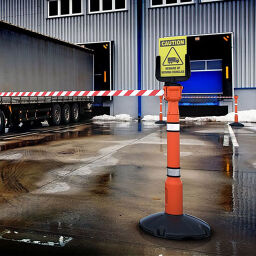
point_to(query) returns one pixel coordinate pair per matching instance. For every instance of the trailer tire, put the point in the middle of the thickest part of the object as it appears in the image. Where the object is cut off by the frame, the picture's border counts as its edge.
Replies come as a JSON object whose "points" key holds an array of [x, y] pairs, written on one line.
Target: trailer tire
{"points": [[65, 114], [75, 115], [55, 115], [2, 122]]}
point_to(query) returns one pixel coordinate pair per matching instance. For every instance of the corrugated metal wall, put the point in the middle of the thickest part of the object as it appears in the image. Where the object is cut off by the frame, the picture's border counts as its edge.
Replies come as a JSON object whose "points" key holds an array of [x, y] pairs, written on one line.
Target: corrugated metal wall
{"points": [[25, 13], [119, 27], [236, 16]]}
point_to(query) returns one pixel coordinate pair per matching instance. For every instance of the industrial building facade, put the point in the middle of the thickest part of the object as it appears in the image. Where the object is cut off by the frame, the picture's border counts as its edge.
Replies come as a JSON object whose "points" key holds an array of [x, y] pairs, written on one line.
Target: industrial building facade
{"points": [[222, 36]]}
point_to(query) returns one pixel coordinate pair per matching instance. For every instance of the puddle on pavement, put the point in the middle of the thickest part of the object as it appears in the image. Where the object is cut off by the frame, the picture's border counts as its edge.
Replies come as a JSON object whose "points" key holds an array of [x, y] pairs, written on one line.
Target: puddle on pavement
{"points": [[42, 136], [226, 198], [228, 165], [45, 136], [237, 193], [103, 183], [34, 238]]}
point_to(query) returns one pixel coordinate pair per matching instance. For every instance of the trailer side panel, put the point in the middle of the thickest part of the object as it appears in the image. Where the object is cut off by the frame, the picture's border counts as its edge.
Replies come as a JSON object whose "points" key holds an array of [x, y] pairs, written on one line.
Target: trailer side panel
{"points": [[32, 62]]}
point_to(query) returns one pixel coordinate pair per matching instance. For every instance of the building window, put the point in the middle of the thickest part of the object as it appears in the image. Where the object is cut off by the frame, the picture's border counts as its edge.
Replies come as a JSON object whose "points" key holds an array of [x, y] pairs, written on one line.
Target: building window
{"points": [[53, 8], [162, 3], [59, 8], [99, 6]]}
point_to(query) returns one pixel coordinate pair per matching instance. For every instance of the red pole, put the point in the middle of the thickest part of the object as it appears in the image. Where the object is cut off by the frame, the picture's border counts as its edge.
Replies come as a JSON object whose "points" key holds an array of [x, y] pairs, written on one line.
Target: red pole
{"points": [[173, 184], [236, 113], [236, 123], [161, 108], [160, 121], [172, 223]]}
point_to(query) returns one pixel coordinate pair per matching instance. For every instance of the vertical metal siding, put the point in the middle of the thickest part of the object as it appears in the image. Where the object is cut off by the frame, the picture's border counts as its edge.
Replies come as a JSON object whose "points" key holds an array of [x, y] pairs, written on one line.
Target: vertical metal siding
{"points": [[218, 17], [21, 12]]}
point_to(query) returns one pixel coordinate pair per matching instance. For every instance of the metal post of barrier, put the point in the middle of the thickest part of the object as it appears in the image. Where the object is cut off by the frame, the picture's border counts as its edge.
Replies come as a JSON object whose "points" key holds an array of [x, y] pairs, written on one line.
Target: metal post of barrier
{"points": [[173, 224], [160, 121], [236, 123]]}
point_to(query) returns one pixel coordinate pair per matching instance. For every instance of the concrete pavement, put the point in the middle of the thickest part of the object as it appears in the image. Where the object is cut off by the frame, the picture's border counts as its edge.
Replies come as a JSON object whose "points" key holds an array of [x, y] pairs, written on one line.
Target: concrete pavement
{"points": [[84, 194]]}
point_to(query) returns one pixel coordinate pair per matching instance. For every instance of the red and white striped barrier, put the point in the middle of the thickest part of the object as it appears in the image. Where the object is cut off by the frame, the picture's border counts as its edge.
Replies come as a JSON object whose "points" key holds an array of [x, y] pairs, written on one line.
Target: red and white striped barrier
{"points": [[102, 93], [83, 93]]}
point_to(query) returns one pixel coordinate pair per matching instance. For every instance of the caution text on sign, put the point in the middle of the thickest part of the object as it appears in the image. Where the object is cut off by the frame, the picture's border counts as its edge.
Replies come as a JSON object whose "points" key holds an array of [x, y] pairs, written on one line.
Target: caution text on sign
{"points": [[172, 51]]}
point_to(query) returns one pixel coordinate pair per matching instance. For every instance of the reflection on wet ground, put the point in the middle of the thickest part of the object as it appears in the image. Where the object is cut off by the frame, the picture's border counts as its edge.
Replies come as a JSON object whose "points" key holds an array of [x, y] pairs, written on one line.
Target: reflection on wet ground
{"points": [[84, 188]]}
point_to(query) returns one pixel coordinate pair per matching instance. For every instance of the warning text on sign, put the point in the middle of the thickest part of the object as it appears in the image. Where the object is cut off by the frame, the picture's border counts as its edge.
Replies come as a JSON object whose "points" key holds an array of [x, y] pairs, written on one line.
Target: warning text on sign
{"points": [[167, 43]]}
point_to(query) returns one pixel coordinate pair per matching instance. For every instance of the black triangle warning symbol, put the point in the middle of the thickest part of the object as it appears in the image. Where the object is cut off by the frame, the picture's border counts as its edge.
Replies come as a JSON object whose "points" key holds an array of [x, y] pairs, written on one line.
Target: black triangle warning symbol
{"points": [[172, 58]]}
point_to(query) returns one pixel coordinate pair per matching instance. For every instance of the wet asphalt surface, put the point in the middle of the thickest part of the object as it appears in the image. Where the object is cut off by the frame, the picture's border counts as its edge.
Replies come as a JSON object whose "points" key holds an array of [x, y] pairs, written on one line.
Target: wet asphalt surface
{"points": [[82, 190]]}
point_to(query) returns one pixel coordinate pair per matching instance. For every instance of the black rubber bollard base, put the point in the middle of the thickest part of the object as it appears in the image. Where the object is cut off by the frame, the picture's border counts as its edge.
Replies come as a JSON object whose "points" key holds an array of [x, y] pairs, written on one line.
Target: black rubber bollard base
{"points": [[236, 124], [176, 227], [160, 122]]}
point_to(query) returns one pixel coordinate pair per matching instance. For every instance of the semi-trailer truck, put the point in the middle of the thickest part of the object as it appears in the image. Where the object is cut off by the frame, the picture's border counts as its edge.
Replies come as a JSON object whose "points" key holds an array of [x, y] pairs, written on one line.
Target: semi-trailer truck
{"points": [[32, 62]]}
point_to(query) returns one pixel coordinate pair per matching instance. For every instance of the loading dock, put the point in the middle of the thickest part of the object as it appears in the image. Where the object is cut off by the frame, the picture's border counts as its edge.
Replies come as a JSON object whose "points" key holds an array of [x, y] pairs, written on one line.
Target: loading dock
{"points": [[103, 72], [211, 59]]}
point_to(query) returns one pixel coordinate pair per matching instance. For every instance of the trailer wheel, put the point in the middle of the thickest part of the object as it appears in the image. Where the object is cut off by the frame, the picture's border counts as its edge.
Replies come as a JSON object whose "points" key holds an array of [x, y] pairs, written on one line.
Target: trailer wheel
{"points": [[75, 113], [65, 114], [2, 122], [55, 115]]}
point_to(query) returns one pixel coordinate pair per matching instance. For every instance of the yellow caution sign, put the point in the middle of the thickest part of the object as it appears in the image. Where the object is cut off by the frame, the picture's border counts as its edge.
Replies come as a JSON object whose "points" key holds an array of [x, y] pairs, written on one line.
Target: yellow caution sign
{"points": [[172, 51]]}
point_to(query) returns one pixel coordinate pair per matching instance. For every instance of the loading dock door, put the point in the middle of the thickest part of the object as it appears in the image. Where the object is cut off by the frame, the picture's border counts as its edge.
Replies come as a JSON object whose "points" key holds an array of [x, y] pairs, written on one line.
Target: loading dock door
{"points": [[102, 69], [211, 65], [206, 78]]}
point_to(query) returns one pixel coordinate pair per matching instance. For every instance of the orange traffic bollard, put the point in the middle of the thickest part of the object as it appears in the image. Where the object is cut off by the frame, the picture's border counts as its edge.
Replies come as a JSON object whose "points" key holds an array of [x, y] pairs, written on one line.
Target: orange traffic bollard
{"points": [[160, 121], [173, 224], [173, 184], [236, 123]]}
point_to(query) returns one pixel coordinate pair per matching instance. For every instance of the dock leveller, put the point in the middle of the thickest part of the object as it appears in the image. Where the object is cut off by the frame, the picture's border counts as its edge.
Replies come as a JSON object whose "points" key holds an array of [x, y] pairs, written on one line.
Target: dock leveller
{"points": [[173, 223]]}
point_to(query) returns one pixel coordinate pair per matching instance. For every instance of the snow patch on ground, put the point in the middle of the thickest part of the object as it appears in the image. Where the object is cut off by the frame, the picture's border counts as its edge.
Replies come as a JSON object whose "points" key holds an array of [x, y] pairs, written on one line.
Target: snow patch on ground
{"points": [[118, 118], [152, 118], [243, 116]]}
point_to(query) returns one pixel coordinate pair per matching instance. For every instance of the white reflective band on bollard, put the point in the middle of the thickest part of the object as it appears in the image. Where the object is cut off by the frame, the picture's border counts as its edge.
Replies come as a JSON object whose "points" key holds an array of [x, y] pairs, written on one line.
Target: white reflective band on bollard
{"points": [[173, 172], [173, 127]]}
